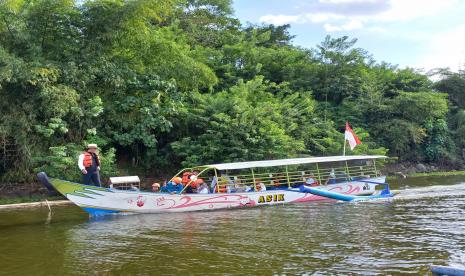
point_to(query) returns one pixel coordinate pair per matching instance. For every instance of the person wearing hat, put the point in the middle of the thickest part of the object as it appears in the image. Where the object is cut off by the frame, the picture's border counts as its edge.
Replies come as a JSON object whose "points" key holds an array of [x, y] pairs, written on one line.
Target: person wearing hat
{"points": [[89, 164], [174, 186]]}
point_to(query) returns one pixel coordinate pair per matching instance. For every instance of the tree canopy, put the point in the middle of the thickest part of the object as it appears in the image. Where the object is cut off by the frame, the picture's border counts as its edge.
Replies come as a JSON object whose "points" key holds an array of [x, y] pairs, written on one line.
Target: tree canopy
{"points": [[159, 84]]}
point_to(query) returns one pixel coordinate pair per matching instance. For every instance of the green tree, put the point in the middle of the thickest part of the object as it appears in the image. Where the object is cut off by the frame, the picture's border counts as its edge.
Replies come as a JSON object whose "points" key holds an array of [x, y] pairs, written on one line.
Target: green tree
{"points": [[454, 86], [245, 123]]}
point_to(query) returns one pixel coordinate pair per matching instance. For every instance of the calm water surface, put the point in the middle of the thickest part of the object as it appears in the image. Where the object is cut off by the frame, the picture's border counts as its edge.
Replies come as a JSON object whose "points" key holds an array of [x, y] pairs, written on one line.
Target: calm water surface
{"points": [[424, 225]]}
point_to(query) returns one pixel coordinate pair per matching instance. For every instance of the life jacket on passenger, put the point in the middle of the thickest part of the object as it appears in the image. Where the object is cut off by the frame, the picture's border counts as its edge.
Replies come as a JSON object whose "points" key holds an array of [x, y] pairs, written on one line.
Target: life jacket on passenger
{"points": [[195, 184], [221, 188], [88, 159], [186, 178]]}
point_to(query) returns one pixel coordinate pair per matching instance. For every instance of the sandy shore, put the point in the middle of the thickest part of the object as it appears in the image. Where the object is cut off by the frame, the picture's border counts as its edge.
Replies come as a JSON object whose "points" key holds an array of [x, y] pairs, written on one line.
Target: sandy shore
{"points": [[35, 204]]}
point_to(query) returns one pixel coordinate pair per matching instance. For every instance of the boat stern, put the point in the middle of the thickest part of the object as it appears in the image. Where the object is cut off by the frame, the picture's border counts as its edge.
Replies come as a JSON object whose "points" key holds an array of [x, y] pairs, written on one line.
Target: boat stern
{"points": [[67, 188]]}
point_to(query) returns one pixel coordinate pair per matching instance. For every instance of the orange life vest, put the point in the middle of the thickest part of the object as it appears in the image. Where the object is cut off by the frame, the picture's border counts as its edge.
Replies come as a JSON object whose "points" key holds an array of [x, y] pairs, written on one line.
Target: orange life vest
{"points": [[88, 159], [197, 183], [221, 189], [186, 177]]}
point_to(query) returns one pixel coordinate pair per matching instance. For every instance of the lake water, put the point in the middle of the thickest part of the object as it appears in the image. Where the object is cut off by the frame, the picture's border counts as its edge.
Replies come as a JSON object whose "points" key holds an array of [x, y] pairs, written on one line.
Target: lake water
{"points": [[423, 225]]}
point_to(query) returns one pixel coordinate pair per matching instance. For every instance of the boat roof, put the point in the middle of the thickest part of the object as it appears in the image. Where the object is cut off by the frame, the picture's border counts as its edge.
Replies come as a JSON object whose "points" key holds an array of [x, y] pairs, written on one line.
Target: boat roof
{"points": [[292, 161]]}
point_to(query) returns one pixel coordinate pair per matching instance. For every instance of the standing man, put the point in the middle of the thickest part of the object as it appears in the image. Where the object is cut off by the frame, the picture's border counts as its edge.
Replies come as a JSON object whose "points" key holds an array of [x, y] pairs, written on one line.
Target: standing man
{"points": [[89, 164]]}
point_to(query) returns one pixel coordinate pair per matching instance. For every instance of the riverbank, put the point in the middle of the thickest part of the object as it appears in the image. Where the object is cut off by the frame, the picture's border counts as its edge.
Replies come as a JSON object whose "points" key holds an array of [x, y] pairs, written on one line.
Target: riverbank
{"points": [[407, 169], [29, 199], [42, 203]]}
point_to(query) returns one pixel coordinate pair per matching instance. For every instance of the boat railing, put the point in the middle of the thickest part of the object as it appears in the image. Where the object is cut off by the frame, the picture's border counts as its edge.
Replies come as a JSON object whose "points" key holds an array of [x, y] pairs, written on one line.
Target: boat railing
{"points": [[321, 176], [192, 180]]}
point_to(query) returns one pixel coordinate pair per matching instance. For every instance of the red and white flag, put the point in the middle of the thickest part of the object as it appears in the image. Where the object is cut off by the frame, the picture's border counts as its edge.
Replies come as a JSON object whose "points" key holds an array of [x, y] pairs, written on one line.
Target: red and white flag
{"points": [[350, 136]]}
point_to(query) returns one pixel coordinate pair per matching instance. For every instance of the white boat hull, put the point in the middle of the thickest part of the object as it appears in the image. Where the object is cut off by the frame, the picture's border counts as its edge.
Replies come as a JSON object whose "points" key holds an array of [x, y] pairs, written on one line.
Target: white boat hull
{"points": [[97, 200]]}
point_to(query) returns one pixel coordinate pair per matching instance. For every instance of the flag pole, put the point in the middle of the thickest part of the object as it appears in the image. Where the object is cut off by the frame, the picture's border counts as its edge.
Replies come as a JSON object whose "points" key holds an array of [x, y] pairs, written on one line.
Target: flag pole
{"points": [[344, 151]]}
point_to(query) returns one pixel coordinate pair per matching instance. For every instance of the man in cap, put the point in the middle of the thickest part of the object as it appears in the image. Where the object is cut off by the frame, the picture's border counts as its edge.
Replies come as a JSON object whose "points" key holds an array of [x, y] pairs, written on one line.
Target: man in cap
{"points": [[89, 164]]}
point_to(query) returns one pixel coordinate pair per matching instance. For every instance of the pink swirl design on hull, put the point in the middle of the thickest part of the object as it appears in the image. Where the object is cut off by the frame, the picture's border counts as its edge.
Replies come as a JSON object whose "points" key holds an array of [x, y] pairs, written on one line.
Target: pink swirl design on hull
{"points": [[188, 201]]}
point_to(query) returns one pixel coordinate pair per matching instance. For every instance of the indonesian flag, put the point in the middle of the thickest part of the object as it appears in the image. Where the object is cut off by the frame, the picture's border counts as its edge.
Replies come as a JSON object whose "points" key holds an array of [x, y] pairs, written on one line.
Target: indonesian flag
{"points": [[350, 136]]}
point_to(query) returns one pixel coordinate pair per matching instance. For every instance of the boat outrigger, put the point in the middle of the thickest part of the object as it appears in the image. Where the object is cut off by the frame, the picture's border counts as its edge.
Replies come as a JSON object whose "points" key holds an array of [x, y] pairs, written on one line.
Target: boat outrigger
{"points": [[240, 184]]}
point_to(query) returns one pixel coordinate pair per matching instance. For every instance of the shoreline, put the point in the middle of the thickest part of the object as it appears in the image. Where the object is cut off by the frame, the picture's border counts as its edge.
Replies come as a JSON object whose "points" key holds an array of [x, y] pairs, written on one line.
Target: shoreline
{"points": [[427, 174], [35, 204]]}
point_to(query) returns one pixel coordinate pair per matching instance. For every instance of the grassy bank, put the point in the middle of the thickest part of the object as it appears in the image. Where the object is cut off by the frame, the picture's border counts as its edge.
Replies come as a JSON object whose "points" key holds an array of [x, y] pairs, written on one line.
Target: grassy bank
{"points": [[26, 199], [426, 174], [438, 173]]}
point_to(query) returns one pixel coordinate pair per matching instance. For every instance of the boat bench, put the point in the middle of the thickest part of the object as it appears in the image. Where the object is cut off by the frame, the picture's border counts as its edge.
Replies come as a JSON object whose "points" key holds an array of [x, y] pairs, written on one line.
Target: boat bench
{"points": [[125, 183]]}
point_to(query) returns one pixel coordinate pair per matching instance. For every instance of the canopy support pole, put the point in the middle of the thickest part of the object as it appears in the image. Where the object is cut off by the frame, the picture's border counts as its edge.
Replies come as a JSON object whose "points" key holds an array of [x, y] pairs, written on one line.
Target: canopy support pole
{"points": [[347, 172], [254, 182], [190, 181], [217, 182], [318, 172], [288, 180]]}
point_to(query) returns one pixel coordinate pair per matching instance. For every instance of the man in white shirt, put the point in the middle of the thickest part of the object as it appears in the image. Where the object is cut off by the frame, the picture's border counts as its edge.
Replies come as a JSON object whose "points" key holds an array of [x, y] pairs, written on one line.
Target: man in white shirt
{"points": [[89, 164], [261, 187], [203, 189]]}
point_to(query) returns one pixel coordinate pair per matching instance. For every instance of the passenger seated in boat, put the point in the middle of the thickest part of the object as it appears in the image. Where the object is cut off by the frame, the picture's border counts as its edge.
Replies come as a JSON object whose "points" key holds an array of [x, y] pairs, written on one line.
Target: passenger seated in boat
{"points": [[222, 189], [261, 186], [240, 189], [279, 181], [188, 176], [222, 185], [155, 187], [173, 186], [203, 189], [192, 180], [311, 181], [336, 177], [195, 184], [194, 175], [331, 178]]}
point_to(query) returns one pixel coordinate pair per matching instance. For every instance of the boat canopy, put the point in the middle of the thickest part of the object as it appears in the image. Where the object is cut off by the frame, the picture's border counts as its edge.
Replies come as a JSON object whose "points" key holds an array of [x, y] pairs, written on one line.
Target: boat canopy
{"points": [[292, 161]]}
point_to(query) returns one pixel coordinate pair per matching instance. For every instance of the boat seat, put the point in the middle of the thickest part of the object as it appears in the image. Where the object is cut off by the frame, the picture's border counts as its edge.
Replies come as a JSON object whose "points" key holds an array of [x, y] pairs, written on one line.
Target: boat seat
{"points": [[125, 182]]}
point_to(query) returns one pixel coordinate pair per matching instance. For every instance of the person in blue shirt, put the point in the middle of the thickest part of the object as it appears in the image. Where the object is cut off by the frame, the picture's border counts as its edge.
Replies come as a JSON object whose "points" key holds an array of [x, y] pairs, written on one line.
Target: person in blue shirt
{"points": [[174, 186]]}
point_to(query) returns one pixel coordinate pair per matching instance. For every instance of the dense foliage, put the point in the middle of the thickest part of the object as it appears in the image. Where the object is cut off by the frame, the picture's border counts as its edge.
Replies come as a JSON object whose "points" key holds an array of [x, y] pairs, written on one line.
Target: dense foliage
{"points": [[158, 84]]}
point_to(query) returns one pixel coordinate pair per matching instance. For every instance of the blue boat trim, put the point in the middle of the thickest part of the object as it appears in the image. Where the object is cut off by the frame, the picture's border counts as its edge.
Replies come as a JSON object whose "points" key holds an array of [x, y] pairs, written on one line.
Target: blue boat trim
{"points": [[338, 196], [447, 270], [99, 212], [328, 194]]}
